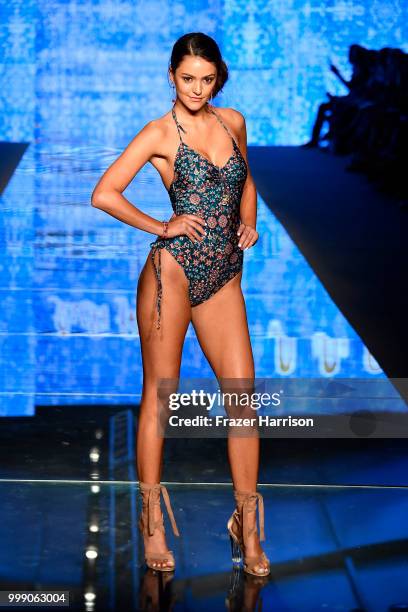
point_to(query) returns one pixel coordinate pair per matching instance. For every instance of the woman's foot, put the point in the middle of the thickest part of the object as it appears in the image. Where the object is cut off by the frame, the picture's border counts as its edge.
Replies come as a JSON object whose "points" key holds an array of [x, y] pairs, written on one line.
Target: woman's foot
{"points": [[252, 548], [156, 543], [244, 518], [151, 524]]}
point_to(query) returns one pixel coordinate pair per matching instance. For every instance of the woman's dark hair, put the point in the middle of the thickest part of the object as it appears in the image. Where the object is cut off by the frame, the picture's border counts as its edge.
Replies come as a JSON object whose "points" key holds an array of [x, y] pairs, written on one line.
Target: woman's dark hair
{"points": [[200, 45]]}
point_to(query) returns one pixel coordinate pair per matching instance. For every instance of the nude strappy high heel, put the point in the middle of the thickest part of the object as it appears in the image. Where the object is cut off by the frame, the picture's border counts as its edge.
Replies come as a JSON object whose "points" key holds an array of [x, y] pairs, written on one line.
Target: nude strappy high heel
{"points": [[246, 502], [147, 524]]}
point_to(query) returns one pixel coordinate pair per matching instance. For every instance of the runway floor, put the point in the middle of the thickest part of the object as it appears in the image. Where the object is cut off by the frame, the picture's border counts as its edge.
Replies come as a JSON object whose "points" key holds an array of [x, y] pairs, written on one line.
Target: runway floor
{"points": [[335, 520], [330, 547]]}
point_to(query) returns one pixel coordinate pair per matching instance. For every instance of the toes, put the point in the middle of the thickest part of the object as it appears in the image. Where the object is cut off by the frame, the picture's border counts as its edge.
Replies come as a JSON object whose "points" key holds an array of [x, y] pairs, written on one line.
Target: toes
{"points": [[162, 564]]}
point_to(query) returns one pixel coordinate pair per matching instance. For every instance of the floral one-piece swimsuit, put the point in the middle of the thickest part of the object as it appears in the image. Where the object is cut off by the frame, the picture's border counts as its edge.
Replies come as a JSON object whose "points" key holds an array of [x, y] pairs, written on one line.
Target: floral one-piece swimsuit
{"points": [[214, 193]]}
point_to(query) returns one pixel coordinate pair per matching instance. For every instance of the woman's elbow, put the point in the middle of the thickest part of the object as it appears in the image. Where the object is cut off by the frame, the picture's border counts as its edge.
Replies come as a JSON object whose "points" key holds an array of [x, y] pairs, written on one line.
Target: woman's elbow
{"points": [[98, 199]]}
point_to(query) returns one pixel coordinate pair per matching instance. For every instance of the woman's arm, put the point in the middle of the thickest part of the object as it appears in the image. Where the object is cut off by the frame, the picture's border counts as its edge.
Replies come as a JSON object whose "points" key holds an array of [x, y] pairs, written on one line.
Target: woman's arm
{"points": [[107, 194], [336, 71], [248, 209]]}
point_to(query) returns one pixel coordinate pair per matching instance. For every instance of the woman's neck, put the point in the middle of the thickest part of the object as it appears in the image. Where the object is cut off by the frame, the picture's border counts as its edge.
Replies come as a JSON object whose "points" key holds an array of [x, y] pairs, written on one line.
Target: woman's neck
{"points": [[192, 117]]}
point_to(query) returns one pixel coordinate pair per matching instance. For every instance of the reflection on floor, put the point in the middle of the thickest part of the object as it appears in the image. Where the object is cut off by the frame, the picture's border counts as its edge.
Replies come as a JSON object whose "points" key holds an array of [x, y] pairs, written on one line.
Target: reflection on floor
{"points": [[330, 548], [70, 504]]}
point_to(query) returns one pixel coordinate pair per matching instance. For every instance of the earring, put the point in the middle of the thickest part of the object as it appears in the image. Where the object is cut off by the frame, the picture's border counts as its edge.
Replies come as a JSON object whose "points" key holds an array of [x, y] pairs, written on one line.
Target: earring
{"points": [[173, 86]]}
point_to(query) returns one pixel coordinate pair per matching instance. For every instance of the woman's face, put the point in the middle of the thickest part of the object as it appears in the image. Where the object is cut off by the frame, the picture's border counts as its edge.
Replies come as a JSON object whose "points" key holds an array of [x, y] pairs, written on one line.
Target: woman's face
{"points": [[194, 80]]}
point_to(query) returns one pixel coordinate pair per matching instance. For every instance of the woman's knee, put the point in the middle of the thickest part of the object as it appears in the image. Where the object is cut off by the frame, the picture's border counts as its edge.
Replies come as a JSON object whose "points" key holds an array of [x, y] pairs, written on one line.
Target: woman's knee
{"points": [[237, 395]]}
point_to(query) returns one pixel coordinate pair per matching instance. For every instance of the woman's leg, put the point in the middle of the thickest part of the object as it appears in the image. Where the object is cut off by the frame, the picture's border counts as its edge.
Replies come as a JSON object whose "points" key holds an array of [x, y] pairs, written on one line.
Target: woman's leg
{"points": [[161, 357], [222, 330]]}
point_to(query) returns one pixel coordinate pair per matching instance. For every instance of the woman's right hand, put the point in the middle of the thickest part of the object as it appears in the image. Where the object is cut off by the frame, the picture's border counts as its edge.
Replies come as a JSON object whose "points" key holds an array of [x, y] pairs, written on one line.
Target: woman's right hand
{"points": [[187, 225]]}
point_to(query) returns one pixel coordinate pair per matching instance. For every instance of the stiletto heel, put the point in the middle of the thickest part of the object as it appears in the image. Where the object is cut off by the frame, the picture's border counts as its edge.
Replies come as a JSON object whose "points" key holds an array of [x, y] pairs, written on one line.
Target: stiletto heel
{"points": [[147, 524], [246, 502], [236, 553]]}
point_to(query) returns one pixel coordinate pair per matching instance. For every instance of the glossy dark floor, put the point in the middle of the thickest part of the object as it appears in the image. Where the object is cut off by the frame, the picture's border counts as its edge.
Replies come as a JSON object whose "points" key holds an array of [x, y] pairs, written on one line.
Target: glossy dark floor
{"points": [[335, 519], [330, 548]]}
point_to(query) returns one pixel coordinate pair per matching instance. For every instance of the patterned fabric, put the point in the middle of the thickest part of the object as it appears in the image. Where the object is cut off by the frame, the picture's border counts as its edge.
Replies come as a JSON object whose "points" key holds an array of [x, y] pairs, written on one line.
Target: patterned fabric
{"points": [[214, 193]]}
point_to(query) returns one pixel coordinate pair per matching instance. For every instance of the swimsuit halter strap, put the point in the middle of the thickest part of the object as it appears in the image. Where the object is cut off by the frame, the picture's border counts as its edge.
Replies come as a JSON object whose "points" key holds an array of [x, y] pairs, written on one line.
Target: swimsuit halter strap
{"points": [[173, 112], [220, 120], [234, 142]]}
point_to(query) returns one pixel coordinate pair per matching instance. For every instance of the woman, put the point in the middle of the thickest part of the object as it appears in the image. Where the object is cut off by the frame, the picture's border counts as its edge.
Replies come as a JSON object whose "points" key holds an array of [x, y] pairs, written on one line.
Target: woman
{"points": [[193, 273]]}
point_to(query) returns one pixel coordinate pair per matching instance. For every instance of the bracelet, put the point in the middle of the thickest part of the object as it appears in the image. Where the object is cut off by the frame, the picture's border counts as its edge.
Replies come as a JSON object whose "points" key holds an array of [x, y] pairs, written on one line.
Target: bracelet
{"points": [[165, 229]]}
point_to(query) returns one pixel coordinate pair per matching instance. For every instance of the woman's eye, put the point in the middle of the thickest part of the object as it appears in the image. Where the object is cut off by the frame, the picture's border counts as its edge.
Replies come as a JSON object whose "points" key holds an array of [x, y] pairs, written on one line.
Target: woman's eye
{"points": [[208, 79]]}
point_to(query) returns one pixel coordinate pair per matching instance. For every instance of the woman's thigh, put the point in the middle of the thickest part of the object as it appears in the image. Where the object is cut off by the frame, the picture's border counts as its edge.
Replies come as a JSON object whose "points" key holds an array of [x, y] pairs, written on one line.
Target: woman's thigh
{"points": [[221, 327], [162, 348]]}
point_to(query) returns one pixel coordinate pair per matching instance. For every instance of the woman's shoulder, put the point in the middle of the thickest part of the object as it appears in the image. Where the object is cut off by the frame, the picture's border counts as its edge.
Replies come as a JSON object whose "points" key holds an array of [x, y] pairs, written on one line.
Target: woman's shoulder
{"points": [[232, 118], [231, 115], [159, 133], [159, 125]]}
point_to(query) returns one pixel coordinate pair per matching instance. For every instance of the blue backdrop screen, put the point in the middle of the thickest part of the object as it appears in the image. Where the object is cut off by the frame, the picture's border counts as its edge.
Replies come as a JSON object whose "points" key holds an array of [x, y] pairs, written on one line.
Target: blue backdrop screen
{"points": [[78, 80]]}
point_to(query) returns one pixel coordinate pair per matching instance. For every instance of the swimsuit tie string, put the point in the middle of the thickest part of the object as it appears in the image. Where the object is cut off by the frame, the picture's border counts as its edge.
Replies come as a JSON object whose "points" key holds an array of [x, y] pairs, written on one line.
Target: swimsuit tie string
{"points": [[157, 270]]}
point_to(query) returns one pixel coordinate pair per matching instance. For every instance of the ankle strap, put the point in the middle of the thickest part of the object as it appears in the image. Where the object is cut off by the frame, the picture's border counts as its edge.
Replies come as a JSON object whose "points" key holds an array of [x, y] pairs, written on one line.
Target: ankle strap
{"points": [[247, 500], [153, 495]]}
